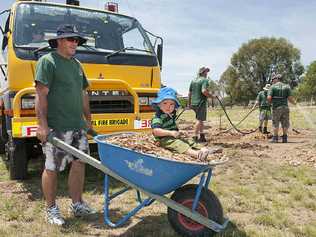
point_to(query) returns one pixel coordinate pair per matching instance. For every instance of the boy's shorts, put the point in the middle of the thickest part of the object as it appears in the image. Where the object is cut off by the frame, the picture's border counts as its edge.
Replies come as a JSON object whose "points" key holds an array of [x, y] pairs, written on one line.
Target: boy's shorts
{"points": [[200, 112], [178, 145], [57, 159], [265, 115]]}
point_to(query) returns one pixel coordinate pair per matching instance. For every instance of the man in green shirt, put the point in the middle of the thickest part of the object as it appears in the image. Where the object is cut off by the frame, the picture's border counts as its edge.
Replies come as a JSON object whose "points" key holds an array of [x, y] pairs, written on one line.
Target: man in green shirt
{"points": [[62, 108], [198, 94], [279, 95], [264, 109]]}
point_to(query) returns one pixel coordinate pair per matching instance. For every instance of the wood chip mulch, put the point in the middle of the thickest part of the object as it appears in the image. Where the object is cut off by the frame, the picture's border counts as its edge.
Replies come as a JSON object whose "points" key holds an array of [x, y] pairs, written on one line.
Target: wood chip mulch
{"points": [[145, 143]]}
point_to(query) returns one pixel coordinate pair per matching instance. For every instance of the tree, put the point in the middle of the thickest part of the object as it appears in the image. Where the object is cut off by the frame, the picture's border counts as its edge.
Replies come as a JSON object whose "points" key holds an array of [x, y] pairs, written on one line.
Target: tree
{"points": [[307, 88], [251, 67]]}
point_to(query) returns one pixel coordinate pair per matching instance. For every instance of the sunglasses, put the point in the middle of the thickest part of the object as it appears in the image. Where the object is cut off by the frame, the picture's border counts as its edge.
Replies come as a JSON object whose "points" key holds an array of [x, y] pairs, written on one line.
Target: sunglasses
{"points": [[73, 39]]}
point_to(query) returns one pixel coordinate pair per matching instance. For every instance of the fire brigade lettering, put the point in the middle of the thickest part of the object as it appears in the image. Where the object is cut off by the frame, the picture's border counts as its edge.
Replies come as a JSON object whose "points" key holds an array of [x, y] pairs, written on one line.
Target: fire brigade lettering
{"points": [[110, 122]]}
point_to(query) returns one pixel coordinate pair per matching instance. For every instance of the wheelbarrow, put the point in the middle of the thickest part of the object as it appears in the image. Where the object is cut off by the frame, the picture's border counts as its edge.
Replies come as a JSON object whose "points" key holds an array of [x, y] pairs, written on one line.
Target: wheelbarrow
{"points": [[193, 209]]}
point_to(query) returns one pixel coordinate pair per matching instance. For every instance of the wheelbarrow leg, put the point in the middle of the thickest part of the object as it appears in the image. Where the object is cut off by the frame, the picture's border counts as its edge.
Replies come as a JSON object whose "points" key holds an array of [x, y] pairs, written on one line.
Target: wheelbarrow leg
{"points": [[107, 200], [202, 184]]}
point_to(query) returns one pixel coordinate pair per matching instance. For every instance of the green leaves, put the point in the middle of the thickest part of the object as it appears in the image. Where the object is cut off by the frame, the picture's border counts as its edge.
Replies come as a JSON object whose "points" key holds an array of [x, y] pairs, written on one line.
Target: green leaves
{"points": [[307, 89], [251, 67]]}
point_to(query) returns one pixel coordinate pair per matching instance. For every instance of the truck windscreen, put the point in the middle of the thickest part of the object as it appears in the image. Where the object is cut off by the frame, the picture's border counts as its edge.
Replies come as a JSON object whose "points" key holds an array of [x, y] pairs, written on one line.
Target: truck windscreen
{"points": [[36, 23]]}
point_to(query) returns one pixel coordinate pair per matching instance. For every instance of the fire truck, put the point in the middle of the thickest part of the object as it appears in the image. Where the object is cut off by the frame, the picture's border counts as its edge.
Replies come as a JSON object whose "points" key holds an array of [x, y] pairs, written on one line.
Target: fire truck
{"points": [[121, 60]]}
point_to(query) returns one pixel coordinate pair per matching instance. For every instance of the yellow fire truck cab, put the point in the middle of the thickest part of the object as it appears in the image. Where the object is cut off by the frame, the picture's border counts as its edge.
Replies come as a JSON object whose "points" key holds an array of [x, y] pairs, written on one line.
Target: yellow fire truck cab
{"points": [[121, 60]]}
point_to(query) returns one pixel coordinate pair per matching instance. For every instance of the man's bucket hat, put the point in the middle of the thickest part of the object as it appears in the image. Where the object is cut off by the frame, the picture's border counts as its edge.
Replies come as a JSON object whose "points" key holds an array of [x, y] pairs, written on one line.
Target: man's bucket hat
{"points": [[267, 87], [166, 93], [203, 69], [66, 31]]}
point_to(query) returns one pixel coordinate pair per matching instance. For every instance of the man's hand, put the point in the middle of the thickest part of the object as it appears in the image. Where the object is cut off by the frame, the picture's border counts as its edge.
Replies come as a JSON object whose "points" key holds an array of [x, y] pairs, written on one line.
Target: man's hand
{"points": [[42, 133]]}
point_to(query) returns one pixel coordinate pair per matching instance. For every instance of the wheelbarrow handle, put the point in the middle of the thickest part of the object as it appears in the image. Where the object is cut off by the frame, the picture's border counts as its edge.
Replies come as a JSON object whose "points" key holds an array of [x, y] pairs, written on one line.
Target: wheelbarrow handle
{"points": [[90, 132]]}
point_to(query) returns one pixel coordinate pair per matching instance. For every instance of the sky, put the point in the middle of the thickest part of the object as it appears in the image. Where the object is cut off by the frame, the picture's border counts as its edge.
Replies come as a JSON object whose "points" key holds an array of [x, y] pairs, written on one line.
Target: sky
{"points": [[208, 32]]}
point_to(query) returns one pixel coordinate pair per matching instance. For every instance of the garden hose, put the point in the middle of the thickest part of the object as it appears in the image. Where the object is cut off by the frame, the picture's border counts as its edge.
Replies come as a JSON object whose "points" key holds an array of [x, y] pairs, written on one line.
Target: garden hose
{"points": [[231, 123]]}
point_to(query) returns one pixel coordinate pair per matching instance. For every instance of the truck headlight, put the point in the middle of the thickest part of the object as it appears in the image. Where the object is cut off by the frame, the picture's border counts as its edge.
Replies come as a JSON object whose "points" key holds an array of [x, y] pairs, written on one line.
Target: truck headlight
{"points": [[28, 103], [143, 100]]}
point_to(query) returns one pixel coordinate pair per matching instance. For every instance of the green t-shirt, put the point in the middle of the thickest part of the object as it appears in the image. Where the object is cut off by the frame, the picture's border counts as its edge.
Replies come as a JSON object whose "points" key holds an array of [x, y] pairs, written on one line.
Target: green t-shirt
{"points": [[164, 121], [65, 81], [279, 93], [263, 101], [196, 87]]}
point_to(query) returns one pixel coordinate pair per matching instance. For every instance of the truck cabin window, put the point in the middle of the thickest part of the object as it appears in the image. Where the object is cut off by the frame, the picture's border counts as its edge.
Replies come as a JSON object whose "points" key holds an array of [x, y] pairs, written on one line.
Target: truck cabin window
{"points": [[36, 23]]}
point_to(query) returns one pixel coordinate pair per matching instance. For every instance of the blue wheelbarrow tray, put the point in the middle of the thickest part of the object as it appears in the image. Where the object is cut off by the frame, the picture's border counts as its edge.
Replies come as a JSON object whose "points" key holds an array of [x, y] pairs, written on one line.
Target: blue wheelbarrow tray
{"points": [[155, 174]]}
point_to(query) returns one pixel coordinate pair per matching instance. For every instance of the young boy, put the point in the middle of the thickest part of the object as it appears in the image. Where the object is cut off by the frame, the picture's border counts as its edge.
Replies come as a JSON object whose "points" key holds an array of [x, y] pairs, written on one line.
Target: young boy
{"points": [[165, 129]]}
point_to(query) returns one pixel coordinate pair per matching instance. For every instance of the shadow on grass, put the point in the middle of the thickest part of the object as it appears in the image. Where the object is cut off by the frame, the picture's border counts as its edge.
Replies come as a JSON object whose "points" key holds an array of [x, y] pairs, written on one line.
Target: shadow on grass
{"points": [[93, 180], [159, 226], [96, 221]]}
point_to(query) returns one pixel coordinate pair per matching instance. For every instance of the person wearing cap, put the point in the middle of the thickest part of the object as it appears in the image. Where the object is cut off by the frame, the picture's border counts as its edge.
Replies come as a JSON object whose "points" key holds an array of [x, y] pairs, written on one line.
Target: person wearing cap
{"points": [[198, 94], [62, 108], [165, 130], [264, 109], [279, 94]]}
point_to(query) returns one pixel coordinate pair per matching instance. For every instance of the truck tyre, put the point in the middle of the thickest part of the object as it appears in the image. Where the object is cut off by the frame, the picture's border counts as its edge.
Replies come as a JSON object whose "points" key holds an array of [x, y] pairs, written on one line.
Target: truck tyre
{"points": [[17, 159], [3, 134], [208, 206]]}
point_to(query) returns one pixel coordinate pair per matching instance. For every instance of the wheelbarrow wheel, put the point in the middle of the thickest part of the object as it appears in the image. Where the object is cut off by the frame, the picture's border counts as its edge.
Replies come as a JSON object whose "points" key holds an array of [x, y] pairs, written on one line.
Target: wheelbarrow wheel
{"points": [[208, 206]]}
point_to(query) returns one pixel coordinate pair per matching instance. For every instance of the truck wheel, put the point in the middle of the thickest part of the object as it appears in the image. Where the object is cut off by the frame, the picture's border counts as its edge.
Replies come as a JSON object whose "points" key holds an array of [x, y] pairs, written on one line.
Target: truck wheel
{"points": [[17, 157], [3, 134], [208, 206]]}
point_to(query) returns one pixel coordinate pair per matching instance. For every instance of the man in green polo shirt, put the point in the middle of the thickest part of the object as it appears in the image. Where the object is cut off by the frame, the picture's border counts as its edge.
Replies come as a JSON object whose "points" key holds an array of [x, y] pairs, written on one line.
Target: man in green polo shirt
{"points": [[62, 108], [198, 94], [264, 109], [279, 95]]}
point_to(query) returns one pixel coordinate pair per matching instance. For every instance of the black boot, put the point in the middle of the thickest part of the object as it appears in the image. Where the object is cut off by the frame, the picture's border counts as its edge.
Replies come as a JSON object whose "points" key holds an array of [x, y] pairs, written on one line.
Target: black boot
{"points": [[275, 139], [260, 129], [195, 139], [265, 130], [202, 138], [284, 138]]}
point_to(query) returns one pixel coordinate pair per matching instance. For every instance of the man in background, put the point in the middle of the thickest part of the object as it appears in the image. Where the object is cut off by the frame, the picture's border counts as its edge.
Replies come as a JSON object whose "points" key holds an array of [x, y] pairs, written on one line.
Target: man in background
{"points": [[279, 94], [264, 109], [198, 94]]}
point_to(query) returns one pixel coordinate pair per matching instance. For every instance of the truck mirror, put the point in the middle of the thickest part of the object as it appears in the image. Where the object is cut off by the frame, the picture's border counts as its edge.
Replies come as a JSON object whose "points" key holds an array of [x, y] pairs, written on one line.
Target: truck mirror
{"points": [[159, 54]]}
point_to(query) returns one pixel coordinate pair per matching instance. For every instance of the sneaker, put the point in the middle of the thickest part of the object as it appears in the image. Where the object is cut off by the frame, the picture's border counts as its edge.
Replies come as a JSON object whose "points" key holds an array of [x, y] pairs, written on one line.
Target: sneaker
{"points": [[53, 216], [81, 209]]}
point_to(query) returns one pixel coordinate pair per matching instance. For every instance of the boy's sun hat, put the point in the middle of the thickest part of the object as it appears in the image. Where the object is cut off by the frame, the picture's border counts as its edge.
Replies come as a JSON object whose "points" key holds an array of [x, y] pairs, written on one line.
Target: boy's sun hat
{"points": [[166, 93]]}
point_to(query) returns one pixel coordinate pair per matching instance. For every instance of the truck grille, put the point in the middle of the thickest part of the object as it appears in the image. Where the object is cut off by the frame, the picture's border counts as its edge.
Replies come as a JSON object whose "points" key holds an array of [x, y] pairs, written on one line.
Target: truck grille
{"points": [[100, 107]]}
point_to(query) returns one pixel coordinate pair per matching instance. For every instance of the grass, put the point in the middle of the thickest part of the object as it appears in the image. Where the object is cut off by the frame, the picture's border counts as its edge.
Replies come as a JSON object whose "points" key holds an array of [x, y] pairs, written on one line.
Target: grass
{"points": [[261, 197], [216, 114]]}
